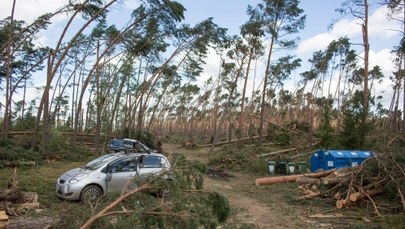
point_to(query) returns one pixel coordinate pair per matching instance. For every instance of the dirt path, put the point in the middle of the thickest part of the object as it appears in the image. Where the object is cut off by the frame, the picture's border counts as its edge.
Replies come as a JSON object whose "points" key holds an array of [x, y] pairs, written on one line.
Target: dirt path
{"points": [[251, 206]]}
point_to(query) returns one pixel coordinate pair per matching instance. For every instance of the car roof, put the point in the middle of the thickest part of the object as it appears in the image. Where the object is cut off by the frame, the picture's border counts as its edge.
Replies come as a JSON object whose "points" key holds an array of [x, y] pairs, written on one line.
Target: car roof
{"points": [[129, 153]]}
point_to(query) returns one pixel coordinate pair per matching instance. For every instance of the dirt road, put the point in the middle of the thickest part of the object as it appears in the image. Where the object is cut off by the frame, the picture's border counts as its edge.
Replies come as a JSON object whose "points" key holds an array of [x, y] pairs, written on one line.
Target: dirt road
{"points": [[252, 206]]}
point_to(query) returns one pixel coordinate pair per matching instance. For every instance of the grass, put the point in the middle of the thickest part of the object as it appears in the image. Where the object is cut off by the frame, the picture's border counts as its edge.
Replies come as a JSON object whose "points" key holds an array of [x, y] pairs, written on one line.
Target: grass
{"points": [[39, 179]]}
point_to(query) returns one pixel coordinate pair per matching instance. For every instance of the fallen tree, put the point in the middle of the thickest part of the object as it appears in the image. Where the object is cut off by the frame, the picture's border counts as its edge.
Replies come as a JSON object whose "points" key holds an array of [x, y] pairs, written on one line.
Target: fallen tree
{"points": [[290, 178]]}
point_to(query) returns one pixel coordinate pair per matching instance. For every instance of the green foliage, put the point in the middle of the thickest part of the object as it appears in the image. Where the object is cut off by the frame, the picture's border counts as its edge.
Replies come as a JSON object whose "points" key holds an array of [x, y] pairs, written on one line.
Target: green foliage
{"points": [[188, 175], [26, 123], [5, 142], [14, 154], [283, 137], [350, 136], [220, 206], [326, 131]]}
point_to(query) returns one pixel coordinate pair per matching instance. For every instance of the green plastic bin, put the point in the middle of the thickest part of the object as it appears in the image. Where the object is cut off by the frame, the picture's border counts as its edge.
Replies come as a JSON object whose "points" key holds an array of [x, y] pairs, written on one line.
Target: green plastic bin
{"points": [[282, 167], [271, 165], [302, 166], [291, 167]]}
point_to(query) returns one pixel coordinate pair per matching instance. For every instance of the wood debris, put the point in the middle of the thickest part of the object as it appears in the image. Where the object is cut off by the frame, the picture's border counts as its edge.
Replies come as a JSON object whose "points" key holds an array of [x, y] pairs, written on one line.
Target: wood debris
{"points": [[14, 202]]}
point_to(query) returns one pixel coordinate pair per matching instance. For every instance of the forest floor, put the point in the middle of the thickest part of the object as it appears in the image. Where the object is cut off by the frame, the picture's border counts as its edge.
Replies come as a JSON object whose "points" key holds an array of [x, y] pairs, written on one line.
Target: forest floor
{"points": [[252, 207], [272, 206]]}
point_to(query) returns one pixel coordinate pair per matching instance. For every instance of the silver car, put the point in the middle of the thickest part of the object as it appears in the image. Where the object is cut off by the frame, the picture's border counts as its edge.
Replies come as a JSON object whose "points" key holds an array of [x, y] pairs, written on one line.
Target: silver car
{"points": [[110, 172]]}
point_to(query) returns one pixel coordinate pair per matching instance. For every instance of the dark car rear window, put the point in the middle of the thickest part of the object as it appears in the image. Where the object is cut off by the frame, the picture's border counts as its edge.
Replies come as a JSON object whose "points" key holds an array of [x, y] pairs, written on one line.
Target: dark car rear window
{"points": [[117, 142]]}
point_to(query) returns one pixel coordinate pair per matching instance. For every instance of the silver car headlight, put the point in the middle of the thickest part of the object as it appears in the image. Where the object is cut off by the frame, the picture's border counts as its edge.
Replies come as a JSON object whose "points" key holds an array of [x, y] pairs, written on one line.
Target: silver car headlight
{"points": [[77, 178]]}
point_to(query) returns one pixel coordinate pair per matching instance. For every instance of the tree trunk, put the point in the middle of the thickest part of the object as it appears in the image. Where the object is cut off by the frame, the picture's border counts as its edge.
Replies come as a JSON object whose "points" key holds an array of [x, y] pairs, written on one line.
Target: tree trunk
{"points": [[263, 103], [99, 102], [7, 110], [366, 64], [242, 106]]}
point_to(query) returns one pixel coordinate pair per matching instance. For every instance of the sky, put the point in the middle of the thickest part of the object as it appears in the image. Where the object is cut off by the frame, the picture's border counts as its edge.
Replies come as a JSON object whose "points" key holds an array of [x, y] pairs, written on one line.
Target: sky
{"points": [[231, 14]]}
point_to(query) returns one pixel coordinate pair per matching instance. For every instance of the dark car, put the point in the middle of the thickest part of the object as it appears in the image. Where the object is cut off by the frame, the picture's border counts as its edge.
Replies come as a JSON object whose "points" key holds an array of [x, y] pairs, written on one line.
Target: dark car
{"points": [[116, 145], [129, 145]]}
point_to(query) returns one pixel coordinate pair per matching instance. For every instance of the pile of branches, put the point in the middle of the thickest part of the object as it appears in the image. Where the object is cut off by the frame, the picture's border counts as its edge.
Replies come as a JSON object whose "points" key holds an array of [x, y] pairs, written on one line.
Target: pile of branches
{"points": [[237, 158], [379, 181]]}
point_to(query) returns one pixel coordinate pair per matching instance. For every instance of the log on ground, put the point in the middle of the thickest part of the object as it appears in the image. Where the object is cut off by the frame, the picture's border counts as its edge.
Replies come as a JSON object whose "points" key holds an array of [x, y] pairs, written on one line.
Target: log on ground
{"points": [[290, 178], [361, 195]]}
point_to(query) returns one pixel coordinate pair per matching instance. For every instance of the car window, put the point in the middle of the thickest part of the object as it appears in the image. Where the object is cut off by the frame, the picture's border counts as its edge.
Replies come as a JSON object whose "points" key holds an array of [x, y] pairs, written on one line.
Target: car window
{"points": [[117, 143], [152, 162], [97, 163], [124, 165], [138, 147]]}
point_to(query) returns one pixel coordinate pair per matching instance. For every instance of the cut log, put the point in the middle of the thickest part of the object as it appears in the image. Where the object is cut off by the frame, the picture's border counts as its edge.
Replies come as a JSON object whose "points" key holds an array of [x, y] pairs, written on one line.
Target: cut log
{"points": [[289, 178], [307, 180], [276, 180], [3, 216], [343, 203], [361, 195], [331, 180]]}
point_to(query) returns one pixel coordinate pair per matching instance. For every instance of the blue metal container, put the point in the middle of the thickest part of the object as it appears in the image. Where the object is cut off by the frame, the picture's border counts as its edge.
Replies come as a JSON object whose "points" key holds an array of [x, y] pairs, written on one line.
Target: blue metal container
{"points": [[330, 159]]}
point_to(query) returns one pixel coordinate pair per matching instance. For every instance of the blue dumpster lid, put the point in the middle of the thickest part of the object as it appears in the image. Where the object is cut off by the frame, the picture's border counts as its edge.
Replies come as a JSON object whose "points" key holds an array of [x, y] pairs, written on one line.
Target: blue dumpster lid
{"points": [[347, 153]]}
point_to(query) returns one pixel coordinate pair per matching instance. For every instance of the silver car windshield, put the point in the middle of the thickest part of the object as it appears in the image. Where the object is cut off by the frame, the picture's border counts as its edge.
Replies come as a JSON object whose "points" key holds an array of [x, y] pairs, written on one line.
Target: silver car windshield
{"points": [[98, 162]]}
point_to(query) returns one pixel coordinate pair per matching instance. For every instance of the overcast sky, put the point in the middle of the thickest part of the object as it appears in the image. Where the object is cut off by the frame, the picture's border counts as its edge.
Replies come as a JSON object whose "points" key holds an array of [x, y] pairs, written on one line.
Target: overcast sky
{"points": [[231, 14]]}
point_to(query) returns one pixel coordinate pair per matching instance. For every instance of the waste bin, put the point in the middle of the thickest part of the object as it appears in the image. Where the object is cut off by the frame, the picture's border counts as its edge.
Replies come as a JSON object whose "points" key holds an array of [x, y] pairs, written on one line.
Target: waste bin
{"points": [[302, 166], [282, 167], [272, 167], [291, 167]]}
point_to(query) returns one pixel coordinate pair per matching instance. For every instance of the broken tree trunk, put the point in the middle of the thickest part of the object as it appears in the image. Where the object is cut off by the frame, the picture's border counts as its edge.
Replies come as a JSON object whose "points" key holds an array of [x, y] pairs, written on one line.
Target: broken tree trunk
{"points": [[289, 178]]}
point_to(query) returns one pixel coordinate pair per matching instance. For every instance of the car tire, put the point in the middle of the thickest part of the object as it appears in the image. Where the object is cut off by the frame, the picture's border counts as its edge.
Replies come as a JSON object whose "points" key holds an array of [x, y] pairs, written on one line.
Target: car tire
{"points": [[91, 191]]}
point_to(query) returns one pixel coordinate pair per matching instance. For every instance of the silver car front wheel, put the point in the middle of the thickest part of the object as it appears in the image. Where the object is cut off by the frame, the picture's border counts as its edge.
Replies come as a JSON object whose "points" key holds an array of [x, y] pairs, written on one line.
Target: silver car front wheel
{"points": [[91, 192]]}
